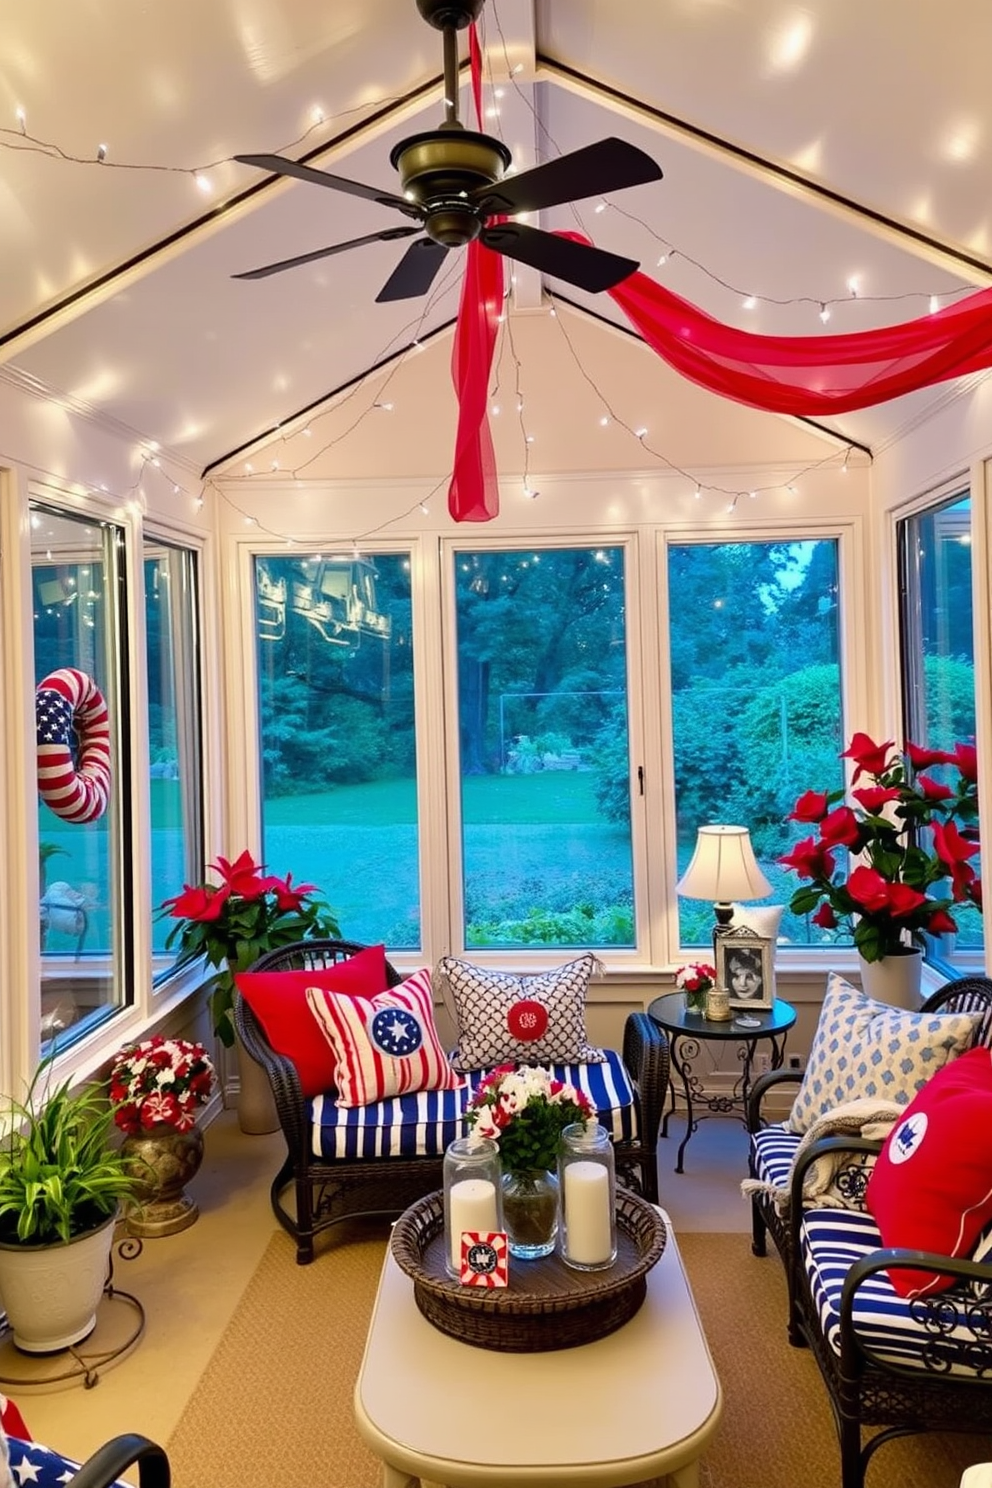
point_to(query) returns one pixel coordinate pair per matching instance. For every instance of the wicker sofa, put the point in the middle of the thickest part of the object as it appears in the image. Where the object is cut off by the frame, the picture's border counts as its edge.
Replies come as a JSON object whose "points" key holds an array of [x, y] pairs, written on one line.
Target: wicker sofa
{"points": [[887, 1362], [379, 1159], [899, 1365], [773, 1148]]}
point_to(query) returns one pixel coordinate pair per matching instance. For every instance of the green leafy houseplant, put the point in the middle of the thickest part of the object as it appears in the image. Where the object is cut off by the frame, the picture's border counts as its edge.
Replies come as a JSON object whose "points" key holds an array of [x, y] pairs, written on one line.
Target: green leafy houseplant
{"points": [[904, 828], [233, 922], [60, 1173]]}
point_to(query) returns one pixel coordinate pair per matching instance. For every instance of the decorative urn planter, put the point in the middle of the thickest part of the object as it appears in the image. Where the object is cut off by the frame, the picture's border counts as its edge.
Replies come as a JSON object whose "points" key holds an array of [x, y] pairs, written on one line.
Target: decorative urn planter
{"points": [[163, 1159]]}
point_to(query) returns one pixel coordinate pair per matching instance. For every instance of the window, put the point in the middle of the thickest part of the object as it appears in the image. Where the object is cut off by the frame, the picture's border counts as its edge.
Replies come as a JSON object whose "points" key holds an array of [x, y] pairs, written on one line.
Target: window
{"points": [[938, 656], [756, 699], [84, 914], [174, 734], [543, 748], [339, 797]]}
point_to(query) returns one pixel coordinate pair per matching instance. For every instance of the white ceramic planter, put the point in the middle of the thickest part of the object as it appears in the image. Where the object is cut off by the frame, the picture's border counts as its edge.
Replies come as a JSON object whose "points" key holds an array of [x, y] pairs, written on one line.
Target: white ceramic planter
{"points": [[50, 1293], [894, 979], [257, 1112]]}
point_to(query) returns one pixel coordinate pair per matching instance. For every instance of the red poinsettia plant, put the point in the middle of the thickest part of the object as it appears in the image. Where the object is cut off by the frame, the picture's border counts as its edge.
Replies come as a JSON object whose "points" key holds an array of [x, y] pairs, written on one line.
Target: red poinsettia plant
{"points": [[907, 844], [160, 1082], [234, 921]]}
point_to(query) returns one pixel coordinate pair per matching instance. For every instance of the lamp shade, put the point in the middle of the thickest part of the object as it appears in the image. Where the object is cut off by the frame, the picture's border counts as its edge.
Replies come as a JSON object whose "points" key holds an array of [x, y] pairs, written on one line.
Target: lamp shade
{"points": [[723, 867]]}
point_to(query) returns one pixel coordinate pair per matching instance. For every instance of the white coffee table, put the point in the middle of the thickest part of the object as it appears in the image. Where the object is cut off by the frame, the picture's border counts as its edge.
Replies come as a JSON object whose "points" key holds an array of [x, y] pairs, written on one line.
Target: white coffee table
{"points": [[639, 1404]]}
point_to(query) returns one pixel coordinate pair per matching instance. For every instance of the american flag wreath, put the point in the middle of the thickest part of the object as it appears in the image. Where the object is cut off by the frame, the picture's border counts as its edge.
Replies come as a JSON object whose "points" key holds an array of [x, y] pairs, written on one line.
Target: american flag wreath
{"points": [[73, 745]]}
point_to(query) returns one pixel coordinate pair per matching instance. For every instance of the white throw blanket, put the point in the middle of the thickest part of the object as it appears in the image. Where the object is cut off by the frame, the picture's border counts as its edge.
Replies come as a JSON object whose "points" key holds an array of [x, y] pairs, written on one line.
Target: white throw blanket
{"points": [[872, 1119]]}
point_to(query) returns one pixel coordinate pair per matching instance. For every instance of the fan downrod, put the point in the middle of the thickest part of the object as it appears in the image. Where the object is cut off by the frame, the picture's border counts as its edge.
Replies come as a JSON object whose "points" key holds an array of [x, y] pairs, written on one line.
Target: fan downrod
{"points": [[455, 13]]}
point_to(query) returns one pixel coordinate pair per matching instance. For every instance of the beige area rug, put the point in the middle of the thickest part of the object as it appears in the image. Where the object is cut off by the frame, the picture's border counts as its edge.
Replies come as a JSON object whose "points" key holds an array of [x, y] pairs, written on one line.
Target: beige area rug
{"points": [[273, 1407]]}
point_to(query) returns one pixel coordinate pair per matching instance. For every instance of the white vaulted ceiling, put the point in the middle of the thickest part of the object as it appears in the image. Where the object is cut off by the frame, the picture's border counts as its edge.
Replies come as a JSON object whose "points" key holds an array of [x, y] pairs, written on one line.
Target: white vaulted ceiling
{"points": [[802, 145]]}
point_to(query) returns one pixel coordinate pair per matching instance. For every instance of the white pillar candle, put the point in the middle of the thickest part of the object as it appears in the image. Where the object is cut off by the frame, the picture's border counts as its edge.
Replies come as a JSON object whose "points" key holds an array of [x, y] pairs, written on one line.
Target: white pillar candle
{"points": [[471, 1206], [588, 1235]]}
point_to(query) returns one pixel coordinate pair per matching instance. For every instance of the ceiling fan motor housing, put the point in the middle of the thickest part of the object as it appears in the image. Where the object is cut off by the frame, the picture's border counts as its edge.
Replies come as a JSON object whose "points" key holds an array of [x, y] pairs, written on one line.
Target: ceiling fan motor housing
{"points": [[457, 13], [437, 168]]}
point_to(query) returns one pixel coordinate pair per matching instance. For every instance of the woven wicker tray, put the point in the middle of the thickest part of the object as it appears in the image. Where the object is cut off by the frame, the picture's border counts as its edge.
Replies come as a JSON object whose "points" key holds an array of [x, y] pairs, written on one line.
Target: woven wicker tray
{"points": [[546, 1305]]}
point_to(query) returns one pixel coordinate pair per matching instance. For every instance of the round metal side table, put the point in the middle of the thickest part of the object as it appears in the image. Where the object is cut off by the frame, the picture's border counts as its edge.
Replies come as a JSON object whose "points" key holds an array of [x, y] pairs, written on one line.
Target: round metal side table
{"points": [[687, 1032]]}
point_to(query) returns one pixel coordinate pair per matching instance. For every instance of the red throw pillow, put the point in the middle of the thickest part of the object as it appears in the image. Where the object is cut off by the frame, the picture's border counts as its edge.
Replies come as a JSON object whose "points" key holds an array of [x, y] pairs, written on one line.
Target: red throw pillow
{"points": [[931, 1187], [279, 1001], [386, 1045]]}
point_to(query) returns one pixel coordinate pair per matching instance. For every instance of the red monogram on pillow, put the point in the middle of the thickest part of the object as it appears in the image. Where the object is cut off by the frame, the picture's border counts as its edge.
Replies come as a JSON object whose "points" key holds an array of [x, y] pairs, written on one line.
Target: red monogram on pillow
{"points": [[527, 1020]]}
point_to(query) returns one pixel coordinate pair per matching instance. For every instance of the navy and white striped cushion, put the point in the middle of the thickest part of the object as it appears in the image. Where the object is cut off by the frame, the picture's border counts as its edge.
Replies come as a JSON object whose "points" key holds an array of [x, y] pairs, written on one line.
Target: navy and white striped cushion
{"points": [[773, 1150], [422, 1124], [897, 1330]]}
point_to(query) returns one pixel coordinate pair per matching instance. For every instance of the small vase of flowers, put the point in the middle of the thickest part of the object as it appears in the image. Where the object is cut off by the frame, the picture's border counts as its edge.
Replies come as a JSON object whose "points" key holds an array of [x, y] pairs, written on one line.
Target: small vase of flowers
{"points": [[525, 1111], [695, 980]]}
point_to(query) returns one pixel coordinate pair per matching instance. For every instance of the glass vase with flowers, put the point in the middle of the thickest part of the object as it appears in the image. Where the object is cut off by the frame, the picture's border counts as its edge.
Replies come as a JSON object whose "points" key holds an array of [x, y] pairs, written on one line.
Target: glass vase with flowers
{"points": [[695, 981], [525, 1110], [898, 861]]}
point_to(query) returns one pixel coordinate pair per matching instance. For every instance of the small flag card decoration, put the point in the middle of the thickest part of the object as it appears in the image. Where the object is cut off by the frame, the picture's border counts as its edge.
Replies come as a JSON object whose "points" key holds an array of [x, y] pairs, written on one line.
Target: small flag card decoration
{"points": [[485, 1258]]}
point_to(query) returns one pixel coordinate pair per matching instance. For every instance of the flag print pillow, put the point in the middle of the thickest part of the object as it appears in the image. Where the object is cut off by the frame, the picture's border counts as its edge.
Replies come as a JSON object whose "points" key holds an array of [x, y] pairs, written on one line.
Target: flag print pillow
{"points": [[384, 1045]]}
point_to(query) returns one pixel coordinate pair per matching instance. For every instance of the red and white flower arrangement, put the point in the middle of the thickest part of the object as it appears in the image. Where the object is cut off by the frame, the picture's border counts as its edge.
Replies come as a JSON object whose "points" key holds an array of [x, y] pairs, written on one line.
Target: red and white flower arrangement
{"points": [[525, 1111], [160, 1082], [696, 978]]}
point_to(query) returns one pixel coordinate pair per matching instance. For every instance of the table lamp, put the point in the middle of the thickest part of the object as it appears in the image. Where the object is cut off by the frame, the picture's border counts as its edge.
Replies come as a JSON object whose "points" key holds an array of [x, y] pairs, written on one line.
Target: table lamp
{"points": [[723, 868]]}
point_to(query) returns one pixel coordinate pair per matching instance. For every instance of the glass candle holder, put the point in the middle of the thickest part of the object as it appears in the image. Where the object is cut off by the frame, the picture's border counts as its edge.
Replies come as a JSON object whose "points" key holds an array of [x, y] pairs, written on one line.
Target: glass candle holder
{"points": [[588, 1197], [471, 1194]]}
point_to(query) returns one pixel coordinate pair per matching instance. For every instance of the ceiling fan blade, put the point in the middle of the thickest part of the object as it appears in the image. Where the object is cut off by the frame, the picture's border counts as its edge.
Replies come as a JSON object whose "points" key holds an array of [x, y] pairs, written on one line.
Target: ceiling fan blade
{"points": [[291, 263], [415, 272], [281, 167], [594, 170], [577, 263]]}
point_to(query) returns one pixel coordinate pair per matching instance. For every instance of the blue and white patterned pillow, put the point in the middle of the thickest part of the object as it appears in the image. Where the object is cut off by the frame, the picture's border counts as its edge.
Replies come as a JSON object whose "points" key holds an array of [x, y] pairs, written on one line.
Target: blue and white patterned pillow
{"points": [[864, 1049]]}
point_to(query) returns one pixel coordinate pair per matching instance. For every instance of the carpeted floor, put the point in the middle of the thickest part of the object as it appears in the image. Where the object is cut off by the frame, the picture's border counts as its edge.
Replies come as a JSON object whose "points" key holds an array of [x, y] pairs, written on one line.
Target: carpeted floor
{"points": [[274, 1404]]}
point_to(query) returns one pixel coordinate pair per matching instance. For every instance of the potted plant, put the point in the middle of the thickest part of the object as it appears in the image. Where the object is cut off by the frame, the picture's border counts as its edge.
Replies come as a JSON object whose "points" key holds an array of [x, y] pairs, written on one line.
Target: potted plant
{"points": [[231, 923], [907, 859], [157, 1087], [62, 1182]]}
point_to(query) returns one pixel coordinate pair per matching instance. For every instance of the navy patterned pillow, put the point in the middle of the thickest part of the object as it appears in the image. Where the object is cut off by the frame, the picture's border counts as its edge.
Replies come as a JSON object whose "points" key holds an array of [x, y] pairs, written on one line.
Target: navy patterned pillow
{"points": [[505, 1018]]}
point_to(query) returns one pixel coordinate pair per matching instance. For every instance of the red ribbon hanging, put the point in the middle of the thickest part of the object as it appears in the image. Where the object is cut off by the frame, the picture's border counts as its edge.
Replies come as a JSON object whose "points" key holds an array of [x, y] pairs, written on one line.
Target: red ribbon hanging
{"points": [[808, 375], [473, 495], [801, 375]]}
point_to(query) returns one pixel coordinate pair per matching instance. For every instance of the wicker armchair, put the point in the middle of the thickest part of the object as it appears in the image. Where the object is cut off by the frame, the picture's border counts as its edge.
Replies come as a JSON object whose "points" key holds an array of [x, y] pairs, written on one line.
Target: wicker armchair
{"points": [[772, 1149], [356, 1179]]}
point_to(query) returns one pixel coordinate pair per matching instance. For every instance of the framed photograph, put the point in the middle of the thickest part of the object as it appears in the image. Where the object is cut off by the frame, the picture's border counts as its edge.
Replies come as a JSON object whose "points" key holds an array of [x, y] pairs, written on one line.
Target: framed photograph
{"points": [[744, 966]]}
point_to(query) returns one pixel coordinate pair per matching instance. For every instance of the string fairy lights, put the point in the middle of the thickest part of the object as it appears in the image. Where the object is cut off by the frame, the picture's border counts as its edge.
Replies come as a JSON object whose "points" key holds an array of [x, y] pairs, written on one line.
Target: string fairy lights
{"points": [[20, 139], [150, 460]]}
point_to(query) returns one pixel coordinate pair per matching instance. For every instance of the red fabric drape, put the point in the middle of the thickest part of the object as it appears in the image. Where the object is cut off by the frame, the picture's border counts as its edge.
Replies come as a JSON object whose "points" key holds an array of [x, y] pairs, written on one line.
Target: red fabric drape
{"points": [[808, 374], [473, 495]]}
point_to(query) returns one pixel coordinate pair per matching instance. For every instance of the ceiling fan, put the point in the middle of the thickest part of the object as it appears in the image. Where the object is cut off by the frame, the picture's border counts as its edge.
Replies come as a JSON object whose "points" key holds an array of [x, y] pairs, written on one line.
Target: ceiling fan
{"points": [[455, 186]]}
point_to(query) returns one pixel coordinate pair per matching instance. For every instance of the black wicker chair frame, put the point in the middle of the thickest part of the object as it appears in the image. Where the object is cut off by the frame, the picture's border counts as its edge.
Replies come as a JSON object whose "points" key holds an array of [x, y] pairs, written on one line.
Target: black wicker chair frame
{"points": [[867, 1391], [329, 1191], [964, 995]]}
